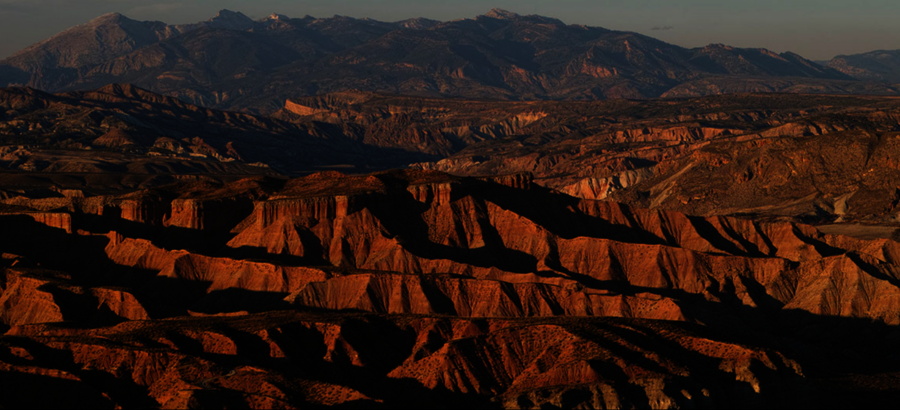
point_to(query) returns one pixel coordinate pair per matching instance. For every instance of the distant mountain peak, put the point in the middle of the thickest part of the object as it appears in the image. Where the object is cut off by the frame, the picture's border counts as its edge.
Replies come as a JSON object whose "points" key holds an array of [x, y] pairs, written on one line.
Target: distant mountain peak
{"points": [[311, 55], [720, 46], [108, 17], [418, 23], [276, 16], [225, 13], [233, 20], [501, 14]]}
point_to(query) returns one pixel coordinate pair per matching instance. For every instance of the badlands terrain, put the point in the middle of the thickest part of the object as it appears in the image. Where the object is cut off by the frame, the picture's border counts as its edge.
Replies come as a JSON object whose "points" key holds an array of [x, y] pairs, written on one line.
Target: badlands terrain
{"points": [[366, 250], [498, 212]]}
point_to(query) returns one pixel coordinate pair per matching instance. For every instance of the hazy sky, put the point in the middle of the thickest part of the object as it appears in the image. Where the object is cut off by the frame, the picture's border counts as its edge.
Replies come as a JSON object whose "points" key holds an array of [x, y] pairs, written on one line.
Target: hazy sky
{"points": [[816, 29]]}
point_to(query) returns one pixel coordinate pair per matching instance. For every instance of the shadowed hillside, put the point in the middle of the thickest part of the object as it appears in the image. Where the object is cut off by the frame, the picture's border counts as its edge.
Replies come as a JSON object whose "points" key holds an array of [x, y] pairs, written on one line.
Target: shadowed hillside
{"points": [[234, 62]]}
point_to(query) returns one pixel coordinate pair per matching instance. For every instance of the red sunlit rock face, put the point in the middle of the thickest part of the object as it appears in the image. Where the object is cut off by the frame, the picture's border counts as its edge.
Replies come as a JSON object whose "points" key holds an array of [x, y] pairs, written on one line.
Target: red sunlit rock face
{"points": [[418, 288]]}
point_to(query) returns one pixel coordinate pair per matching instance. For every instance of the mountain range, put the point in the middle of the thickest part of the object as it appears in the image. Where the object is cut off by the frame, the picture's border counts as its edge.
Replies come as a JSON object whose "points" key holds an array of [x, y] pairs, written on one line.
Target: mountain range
{"points": [[233, 62]]}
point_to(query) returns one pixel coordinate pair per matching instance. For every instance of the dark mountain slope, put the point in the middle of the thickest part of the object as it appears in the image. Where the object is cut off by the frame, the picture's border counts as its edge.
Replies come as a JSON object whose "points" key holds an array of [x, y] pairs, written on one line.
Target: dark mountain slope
{"points": [[879, 65], [234, 62]]}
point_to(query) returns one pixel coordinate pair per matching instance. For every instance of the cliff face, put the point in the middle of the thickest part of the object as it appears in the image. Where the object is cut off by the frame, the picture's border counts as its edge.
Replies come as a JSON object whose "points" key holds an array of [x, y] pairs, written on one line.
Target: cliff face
{"points": [[54, 220], [417, 287], [217, 214], [459, 228]]}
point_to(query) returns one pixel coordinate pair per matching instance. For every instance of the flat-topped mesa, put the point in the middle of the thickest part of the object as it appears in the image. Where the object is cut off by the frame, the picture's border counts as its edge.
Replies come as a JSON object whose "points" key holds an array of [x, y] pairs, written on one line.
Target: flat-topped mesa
{"points": [[266, 213]]}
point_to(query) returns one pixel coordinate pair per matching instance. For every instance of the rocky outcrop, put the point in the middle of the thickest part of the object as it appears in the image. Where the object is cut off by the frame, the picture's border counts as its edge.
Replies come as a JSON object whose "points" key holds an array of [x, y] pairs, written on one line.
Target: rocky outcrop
{"points": [[722, 155], [414, 287], [114, 138], [24, 302], [459, 228], [211, 215], [411, 294], [219, 273], [34, 296], [529, 365], [601, 188], [54, 220]]}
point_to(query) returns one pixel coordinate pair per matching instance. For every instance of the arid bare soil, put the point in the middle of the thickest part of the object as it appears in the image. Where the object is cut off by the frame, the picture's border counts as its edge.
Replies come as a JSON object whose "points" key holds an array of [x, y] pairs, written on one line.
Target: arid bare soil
{"points": [[725, 251], [418, 288]]}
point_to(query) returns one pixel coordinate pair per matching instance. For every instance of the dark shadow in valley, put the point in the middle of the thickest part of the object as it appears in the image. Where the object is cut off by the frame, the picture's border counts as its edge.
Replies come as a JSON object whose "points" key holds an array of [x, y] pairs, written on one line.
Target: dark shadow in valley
{"points": [[822, 248], [380, 345], [238, 300], [206, 242], [84, 261], [90, 388], [707, 231], [558, 213], [401, 216], [32, 391]]}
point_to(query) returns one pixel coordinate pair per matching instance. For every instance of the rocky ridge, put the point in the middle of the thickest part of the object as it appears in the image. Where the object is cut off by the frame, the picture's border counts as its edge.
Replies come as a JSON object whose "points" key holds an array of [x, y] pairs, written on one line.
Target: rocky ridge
{"points": [[807, 158], [233, 62], [408, 287]]}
